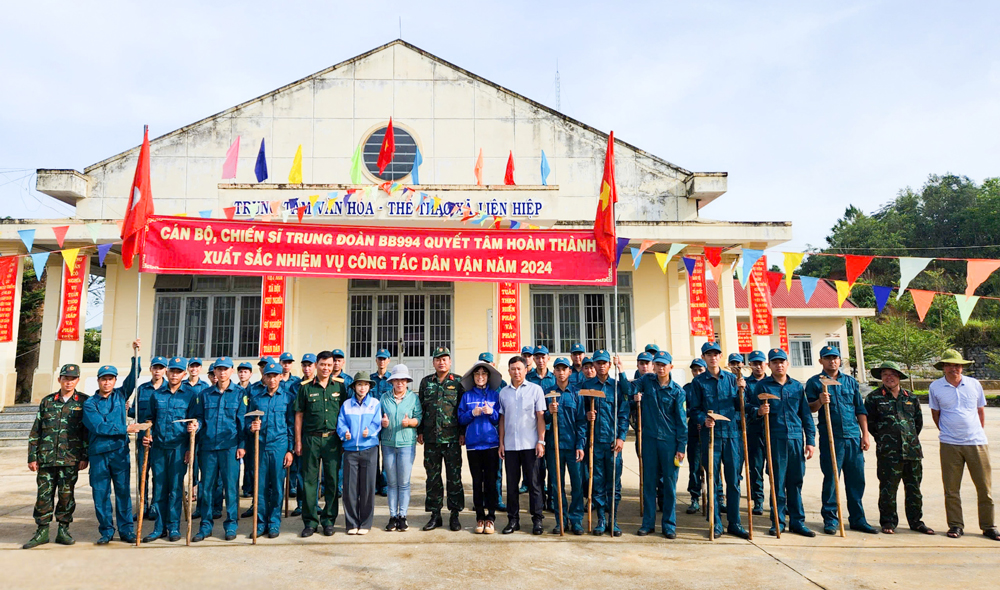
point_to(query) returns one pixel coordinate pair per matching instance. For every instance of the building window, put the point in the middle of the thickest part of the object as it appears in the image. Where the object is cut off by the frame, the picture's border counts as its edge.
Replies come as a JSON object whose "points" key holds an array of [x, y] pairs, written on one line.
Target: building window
{"points": [[207, 317], [563, 316], [801, 347], [390, 314], [835, 344], [402, 159]]}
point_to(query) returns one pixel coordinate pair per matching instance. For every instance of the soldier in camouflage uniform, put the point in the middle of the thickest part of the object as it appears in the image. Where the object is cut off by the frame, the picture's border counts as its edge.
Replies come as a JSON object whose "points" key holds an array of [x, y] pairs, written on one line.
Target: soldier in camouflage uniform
{"points": [[440, 431], [57, 451], [895, 421]]}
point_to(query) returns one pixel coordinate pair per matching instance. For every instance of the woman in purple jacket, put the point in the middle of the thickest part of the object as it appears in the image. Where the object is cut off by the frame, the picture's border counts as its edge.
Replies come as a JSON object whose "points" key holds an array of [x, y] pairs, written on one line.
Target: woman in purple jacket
{"points": [[477, 412]]}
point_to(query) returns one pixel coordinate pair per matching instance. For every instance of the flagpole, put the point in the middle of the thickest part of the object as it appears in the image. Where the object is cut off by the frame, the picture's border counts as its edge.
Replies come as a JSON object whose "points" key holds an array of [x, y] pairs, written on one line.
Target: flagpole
{"points": [[135, 361], [614, 354]]}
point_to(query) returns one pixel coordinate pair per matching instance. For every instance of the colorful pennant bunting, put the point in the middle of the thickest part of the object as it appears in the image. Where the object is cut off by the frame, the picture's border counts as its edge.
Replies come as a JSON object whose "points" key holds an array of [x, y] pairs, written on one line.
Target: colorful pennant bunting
{"points": [[855, 266], [27, 237], [545, 170], [922, 301], [843, 292], [39, 260], [773, 281], [689, 264], [750, 258], [70, 255], [909, 268], [978, 271], [60, 233], [808, 287], [881, 296], [295, 174], [232, 155], [94, 229], [792, 261], [357, 176], [102, 252], [965, 306], [260, 169]]}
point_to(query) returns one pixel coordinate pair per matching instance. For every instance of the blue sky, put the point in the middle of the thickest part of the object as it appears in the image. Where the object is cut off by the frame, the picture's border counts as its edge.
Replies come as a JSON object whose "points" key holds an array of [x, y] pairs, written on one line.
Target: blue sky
{"points": [[810, 106]]}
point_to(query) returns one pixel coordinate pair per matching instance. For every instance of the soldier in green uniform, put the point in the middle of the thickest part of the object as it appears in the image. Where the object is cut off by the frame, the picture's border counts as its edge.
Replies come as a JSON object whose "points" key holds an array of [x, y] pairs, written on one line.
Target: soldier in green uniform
{"points": [[895, 421], [317, 406], [57, 451], [443, 438]]}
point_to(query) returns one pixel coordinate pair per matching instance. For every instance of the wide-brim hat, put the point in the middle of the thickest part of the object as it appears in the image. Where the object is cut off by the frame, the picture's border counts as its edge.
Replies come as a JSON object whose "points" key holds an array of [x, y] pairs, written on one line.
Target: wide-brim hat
{"points": [[400, 372], [468, 383], [951, 357], [877, 371], [362, 376]]}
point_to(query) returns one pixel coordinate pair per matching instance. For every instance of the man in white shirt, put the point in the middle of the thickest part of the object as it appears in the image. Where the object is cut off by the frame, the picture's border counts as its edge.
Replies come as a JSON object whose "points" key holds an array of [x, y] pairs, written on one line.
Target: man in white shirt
{"points": [[957, 406], [522, 443]]}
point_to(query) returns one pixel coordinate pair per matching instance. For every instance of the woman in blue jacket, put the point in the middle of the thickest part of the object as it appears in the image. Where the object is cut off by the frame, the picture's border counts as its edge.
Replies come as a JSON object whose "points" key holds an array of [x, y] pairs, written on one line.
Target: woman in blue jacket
{"points": [[358, 425], [477, 412]]}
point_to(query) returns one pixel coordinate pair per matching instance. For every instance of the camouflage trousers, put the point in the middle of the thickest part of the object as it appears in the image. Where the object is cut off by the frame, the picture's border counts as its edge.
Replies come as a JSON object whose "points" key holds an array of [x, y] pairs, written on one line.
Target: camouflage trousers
{"points": [[53, 481], [891, 471], [451, 455]]}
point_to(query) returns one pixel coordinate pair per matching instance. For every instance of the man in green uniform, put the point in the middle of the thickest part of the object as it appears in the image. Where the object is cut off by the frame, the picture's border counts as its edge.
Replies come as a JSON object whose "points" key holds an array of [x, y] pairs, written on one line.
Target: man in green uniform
{"points": [[57, 451], [895, 421], [440, 431], [317, 406]]}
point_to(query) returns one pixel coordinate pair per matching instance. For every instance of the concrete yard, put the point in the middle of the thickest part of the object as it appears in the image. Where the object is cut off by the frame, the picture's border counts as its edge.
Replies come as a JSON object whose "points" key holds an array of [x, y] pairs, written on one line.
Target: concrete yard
{"points": [[459, 560]]}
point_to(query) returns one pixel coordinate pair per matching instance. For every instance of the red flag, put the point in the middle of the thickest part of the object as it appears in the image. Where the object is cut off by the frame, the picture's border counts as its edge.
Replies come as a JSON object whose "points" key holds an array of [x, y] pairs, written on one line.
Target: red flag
{"points": [[604, 222], [714, 255], [508, 176], [479, 168], [388, 148], [60, 233], [774, 280], [855, 266], [140, 207]]}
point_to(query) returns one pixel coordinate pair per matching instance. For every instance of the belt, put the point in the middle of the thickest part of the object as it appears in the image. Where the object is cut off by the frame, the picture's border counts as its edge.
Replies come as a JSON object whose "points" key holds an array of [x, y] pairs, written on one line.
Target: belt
{"points": [[323, 433]]}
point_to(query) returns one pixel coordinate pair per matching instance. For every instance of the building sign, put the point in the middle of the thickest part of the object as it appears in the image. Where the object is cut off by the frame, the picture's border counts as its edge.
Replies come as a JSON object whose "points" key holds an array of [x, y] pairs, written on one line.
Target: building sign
{"points": [[72, 294], [744, 337], [783, 334], [8, 286], [272, 316], [760, 299], [182, 245], [395, 206], [701, 324], [509, 300]]}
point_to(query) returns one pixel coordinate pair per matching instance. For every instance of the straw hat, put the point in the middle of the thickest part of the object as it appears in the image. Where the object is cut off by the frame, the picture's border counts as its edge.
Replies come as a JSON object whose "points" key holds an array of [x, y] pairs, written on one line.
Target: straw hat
{"points": [[877, 371], [951, 357]]}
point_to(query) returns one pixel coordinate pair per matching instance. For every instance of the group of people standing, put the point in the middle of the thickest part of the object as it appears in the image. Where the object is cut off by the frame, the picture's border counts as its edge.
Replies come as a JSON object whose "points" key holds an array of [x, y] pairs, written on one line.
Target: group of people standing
{"points": [[334, 435]]}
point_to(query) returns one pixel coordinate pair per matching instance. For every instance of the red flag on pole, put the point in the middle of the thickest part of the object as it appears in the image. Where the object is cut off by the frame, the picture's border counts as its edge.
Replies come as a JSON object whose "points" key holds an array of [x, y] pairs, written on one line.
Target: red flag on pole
{"points": [[604, 223], [140, 207], [388, 149], [508, 176]]}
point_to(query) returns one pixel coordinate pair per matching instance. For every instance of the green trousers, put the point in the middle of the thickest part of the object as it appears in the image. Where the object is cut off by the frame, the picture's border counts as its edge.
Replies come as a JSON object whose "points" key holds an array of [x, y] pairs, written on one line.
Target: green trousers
{"points": [[55, 495], [317, 451]]}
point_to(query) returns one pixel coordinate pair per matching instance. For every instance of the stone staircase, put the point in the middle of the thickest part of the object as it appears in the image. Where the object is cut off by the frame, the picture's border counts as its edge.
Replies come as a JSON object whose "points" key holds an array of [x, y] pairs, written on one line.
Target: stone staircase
{"points": [[15, 424]]}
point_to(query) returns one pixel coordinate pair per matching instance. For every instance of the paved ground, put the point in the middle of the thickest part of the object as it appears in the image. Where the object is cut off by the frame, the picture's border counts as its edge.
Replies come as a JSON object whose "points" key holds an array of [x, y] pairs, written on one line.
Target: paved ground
{"points": [[445, 559]]}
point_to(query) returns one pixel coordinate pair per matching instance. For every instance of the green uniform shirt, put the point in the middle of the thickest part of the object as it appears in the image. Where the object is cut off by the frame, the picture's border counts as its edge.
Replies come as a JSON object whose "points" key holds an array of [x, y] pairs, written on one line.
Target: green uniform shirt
{"points": [[58, 437], [895, 423], [319, 405], [439, 403]]}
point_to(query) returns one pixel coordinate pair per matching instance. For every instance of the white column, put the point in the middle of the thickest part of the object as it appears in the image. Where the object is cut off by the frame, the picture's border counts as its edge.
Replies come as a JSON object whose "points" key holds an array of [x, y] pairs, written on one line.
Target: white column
{"points": [[859, 350]]}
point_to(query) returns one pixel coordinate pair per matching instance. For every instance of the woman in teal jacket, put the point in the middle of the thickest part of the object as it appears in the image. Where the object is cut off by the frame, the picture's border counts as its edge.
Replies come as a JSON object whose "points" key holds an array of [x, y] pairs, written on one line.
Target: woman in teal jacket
{"points": [[401, 415]]}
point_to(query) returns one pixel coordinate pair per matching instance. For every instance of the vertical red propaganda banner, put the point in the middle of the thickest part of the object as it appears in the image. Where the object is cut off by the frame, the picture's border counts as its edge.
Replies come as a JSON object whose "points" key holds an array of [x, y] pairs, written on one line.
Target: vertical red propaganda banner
{"points": [[783, 334], [8, 286], [701, 323], [272, 316], [744, 337], [760, 299], [509, 301], [72, 295]]}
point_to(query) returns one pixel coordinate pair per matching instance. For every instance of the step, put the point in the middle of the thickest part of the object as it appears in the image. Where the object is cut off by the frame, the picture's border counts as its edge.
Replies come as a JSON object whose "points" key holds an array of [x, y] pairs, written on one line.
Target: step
{"points": [[10, 442], [17, 417], [20, 409], [9, 426], [16, 433]]}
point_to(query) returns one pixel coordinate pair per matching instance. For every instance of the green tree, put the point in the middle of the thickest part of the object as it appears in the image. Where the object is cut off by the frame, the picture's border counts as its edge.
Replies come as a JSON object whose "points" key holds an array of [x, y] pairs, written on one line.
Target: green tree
{"points": [[92, 345], [896, 338]]}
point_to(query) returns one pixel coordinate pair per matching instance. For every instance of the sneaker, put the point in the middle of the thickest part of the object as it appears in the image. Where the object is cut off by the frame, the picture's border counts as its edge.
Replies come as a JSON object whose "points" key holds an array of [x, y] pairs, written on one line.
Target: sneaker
{"points": [[352, 531], [480, 526], [489, 528], [401, 524], [363, 531], [297, 511], [392, 524], [103, 541], [694, 507], [40, 537]]}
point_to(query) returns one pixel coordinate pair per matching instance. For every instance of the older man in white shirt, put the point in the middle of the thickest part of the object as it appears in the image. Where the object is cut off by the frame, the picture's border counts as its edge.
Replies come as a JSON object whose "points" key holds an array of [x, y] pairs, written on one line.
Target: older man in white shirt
{"points": [[522, 443]]}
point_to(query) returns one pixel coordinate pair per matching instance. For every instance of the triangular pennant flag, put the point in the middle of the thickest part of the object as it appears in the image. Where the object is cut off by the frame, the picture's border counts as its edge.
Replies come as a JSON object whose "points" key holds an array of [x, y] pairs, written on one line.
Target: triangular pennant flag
{"points": [[39, 261], [206, 214], [714, 255], [275, 206], [508, 175], [808, 287], [260, 169], [300, 211], [662, 260], [855, 266], [773, 281], [636, 258], [265, 217], [674, 250], [978, 271], [27, 237], [792, 262], [312, 203], [965, 306], [843, 292], [922, 301], [95, 231], [69, 255], [881, 296], [356, 175], [514, 224], [622, 242], [295, 174], [750, 258], [738, 268], [232, 155], [418, 159], [689, 264], [545, 169], [479, 168], [60, 232], [644, 245], [230, 212], [716, 272], [285, 214], [102, 252], [254, 209], [909, 268]]}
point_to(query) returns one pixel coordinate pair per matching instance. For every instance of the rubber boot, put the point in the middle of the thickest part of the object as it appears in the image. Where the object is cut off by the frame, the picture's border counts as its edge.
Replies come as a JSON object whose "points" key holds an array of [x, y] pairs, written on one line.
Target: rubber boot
{"points": [[41, 537], [63, 537]]}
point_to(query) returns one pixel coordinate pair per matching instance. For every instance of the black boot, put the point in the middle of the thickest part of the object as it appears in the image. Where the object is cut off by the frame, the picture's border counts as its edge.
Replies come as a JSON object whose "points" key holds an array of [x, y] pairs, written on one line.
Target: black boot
{"points": [[434, 522]]}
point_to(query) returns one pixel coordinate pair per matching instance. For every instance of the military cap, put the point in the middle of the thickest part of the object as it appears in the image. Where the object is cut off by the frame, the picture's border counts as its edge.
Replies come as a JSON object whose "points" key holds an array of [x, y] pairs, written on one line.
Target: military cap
{"points": [[194, 361], [562, 362], [486, 357], [663, 357], [698, 363], [107, 370], [441, 351], [527, 350], [308, 358], [178, 362], [272, 368], [336, 352], [382, 353], [158, 360], [711, 347], [828, 351], [265, 360], [223, 361], [602, 355], [286, 356], [777, 354], [244, 365], [735, 357], [541, 350], [577, 348], [652, 348], [757, 356], [211, 367], [70, 370], [645, 356], [586, 361]]}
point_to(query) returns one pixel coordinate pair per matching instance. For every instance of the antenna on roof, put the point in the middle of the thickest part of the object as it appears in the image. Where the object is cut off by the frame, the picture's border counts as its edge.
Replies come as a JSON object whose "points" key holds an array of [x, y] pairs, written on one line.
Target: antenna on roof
{"points": [[558, 98], [400, 27]]}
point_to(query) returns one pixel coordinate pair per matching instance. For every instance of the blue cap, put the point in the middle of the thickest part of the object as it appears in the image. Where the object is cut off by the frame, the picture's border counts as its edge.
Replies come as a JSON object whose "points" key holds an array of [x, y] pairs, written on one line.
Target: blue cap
{"points": [[382, 354], [178, 362], [308, 358], [577, 348], [211, 367], [602, 355], [777, 353], [652, 348], [158, 360], [272, 368], [527, 350], [264, 360], [710, 346], [337, 352], [828, 351], [286, 356], [107, 370], [224, 361], [541, 350], [757, 356], [194, 361], [486, 357], [244, 365], [645, 356], [735, 357], [562, 362], [698, 363], [586, 361], [663, 357]]}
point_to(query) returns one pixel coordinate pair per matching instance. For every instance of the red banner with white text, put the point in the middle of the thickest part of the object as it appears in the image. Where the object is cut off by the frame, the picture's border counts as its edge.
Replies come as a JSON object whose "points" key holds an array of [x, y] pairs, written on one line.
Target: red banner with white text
{"points": [[783, 335], [272, 316], [182, 245], [8, 286], [509, 301], [760, 299], [701, 324], [72, 295]]}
